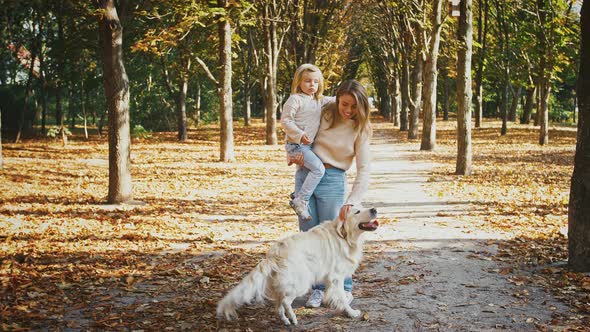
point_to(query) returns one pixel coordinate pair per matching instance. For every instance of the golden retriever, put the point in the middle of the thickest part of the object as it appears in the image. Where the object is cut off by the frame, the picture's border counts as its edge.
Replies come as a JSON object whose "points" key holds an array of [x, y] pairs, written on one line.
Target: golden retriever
{"points": [[326, 254]]}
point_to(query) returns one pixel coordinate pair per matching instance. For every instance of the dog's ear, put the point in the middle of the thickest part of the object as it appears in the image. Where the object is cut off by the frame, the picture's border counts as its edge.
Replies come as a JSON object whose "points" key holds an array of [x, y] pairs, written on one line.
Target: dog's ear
{"points": [[340, 229]]}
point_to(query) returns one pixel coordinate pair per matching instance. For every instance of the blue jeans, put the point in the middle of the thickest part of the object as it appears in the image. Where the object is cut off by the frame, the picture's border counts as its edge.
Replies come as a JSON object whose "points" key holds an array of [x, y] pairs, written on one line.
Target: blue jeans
{"points": [[312, 163], [324, 204]]}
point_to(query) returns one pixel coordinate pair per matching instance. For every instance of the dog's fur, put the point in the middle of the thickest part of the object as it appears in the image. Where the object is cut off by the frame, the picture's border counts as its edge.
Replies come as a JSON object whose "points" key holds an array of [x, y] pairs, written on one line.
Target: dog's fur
{"points": [[326, 254]]}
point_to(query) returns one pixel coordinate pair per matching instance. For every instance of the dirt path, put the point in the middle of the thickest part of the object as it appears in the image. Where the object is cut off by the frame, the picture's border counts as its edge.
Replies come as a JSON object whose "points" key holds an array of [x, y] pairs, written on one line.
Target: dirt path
{"points": [[428, 271]]}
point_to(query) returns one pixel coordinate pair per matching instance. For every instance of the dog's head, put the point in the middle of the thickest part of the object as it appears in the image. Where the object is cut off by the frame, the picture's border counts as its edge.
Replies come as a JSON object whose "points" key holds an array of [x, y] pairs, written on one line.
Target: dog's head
{"points": [[357, 222]]}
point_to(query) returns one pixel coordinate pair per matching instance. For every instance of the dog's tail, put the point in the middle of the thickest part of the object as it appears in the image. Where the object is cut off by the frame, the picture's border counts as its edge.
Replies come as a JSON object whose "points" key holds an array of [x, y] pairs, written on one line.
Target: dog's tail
{"points": [[251, 289]]}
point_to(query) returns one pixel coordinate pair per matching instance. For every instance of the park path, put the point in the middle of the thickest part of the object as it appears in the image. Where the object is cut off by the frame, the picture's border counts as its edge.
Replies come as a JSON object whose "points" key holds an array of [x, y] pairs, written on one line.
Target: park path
{"points": [[427, 271]]}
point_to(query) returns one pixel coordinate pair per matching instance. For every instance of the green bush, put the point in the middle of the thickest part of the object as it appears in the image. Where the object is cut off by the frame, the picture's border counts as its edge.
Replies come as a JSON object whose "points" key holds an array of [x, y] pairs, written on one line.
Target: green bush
{"points": [[139, 131], [54, 131]]}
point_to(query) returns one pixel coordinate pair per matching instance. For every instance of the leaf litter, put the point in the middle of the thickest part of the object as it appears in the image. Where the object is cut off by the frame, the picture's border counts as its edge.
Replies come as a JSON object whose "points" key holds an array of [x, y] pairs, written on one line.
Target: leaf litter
{"points": [[70, 260]]}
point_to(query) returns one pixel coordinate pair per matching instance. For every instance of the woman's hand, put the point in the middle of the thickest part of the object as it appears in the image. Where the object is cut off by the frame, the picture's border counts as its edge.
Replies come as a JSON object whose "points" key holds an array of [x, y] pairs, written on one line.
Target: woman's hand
{"points": [[344, 211], [298, 159]]}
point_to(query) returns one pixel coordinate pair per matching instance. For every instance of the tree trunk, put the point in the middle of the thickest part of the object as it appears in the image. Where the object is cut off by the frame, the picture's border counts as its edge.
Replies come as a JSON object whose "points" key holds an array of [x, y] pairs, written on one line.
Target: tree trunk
{"points": [[28, 90], [405, 91], [544, 77], [416, 95], [514, 104], [225, 90], [116, 86], [60, 75], [528, 106], [1, 160], [464, 93], [271, 56], [579, 204], [248, 107], [504, 101], [198, 105], [544, 112], [482, 29], [428, 142], [43, 92], [181, 108], [181, 99], [71, 109], [83, 101], [537, 102], [446, 102], [395, 102], [575, 108]]}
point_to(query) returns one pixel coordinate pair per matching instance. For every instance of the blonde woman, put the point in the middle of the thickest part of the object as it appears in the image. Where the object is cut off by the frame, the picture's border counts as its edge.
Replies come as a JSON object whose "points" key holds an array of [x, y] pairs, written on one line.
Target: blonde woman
{"points": [[300, 120], [343, 136]]}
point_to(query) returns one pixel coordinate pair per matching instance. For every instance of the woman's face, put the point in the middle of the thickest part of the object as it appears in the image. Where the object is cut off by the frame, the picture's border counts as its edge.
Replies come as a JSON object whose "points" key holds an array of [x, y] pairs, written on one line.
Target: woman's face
{"points": [[347, 106]]}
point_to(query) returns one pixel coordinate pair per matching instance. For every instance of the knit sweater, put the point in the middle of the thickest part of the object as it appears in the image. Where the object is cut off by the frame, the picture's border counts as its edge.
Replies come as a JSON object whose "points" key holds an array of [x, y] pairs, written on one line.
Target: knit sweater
{"points": [[301, 115], [338, 146]]}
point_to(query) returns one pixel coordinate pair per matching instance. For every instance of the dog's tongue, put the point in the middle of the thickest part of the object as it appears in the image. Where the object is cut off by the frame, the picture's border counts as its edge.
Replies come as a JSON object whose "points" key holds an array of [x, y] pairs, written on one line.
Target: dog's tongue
{"points": [[373, 223]]}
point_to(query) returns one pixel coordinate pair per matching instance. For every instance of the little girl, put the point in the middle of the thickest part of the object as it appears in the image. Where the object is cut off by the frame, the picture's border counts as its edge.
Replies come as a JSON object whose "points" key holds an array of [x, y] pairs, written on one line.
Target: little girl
{"points": [[300, 120]]}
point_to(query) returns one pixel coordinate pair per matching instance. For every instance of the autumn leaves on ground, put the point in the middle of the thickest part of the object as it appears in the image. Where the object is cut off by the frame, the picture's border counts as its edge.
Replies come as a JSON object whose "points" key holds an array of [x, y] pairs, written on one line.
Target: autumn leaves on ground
{"points": [[68, 260]]}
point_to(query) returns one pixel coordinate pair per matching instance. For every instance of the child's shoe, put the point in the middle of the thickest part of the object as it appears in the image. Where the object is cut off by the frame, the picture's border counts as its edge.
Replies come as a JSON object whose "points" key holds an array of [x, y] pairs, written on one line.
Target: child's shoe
{"points": [[301, 208]]}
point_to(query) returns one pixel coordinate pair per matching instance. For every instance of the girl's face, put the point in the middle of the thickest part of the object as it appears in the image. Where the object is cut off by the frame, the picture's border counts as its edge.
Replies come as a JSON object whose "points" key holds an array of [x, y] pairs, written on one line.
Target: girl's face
{"points": [[347, 106], [310, 82]]}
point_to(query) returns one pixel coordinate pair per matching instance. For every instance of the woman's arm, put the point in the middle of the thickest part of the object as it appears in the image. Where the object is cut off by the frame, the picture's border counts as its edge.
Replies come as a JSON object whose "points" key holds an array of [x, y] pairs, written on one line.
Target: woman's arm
{"points": [[361, 181]]}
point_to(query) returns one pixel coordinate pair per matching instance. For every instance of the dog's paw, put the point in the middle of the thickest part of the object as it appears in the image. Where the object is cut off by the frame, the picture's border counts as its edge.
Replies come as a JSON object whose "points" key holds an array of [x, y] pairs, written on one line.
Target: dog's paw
{"points": [[353, 313]]}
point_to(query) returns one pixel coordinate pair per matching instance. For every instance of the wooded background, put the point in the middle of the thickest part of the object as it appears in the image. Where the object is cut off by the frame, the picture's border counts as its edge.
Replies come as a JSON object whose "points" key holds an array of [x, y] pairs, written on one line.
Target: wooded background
{"points": [[170, 65], [525, 56]]}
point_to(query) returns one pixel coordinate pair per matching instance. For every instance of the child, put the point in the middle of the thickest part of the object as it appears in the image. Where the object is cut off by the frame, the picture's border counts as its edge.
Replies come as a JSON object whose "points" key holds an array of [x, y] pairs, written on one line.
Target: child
{"points": [[300, 120]]}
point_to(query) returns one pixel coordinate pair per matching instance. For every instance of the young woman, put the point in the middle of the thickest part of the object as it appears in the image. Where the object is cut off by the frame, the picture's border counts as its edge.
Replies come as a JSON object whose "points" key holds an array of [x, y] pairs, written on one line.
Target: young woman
{"points": [[343, 136]]}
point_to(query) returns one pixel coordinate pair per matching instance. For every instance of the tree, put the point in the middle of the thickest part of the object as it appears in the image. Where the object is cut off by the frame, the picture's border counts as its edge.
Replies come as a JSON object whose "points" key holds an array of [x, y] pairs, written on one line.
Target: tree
{"points": [[1, 160], [579, 204], [116, 86], [545, 71], [225, 90], [464, 92], [482, 33], [503, 11], [272, 13], [430, 78]]}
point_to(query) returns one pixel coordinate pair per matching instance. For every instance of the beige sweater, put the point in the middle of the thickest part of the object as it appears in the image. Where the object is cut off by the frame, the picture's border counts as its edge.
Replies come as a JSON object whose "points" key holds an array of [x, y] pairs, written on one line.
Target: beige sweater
{"points": [[338, 146]]}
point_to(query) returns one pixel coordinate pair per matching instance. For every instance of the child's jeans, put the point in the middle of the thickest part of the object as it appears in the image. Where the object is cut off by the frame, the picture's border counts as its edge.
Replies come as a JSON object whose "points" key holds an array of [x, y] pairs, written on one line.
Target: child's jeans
{"points": [[313, 164]]}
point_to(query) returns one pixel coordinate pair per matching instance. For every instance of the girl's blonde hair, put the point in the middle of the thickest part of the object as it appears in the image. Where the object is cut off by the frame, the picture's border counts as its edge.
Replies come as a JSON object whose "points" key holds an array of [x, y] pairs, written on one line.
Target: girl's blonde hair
{"points": [[307, 67], [362, 122]]}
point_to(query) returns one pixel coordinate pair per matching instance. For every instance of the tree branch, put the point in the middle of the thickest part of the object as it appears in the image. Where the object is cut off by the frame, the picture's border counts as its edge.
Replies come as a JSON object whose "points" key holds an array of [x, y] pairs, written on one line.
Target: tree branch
{"points": [[207, 71]]}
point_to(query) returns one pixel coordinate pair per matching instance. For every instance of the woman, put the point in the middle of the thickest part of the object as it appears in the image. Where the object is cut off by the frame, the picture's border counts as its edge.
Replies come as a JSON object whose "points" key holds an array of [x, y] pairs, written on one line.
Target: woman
{"points": [[344, 135]]}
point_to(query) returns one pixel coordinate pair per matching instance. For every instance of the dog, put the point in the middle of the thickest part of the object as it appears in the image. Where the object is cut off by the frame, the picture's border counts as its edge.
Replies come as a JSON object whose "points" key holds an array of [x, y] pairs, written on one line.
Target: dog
{"points": [[326, 254]]}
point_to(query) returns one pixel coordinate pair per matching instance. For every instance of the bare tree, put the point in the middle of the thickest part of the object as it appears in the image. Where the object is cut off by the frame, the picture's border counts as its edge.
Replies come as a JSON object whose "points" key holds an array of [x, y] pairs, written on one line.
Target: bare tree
{"points": [[1, 160], [116, 86], [579, 205], [464, 92], [225, 90], [430, 77], [482, 32], [545, 71]]}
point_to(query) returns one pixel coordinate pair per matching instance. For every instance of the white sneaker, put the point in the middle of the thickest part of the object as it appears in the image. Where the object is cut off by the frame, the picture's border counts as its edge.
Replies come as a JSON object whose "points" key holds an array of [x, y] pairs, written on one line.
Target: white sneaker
{"points": [[315, 299], [301, 208], [349, 297]]}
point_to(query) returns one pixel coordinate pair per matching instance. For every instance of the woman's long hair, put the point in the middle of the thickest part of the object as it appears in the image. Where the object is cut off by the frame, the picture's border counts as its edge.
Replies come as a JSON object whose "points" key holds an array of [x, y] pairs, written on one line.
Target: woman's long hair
{"points": [[362, 123]]}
